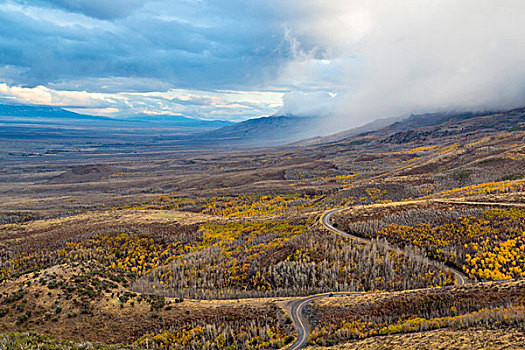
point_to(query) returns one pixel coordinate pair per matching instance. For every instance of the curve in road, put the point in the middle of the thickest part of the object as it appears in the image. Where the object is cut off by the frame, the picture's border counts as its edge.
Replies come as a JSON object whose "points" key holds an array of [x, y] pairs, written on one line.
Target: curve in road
{"points": [[325, 221], [297, 305], [298, 319]]}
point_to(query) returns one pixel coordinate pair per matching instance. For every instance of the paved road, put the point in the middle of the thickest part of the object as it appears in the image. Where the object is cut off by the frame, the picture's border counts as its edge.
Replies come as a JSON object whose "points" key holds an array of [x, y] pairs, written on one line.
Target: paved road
{"points": [[299, 321], [297, 305], [325, 220]]}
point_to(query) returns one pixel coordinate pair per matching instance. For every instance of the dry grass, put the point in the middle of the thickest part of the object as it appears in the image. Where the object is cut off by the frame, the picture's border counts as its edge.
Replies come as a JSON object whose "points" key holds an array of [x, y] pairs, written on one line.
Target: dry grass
{"points": [[108, 315], [49, 232], [460, 339], [423, 163], [474, 289], [340, 319]]}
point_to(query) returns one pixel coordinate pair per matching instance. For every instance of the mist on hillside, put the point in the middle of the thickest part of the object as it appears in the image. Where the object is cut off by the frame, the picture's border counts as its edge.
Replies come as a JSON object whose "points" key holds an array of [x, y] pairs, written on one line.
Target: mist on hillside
{"points": [[401, 57]]}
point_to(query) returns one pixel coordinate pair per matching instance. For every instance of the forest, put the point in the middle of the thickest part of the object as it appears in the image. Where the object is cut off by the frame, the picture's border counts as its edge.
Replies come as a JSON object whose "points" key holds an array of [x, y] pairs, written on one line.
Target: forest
{"points": [[495, 305], [487, 244]]}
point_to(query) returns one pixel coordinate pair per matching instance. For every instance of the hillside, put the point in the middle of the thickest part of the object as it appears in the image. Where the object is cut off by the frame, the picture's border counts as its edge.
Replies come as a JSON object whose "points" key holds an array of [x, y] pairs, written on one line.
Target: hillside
{"points": [[265, 131], [262, 175], [193, 248], [44, 112]]}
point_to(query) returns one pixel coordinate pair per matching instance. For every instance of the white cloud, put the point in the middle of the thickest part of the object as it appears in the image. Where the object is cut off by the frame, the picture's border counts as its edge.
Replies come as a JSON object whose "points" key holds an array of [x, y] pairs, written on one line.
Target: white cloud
{"points": [[380, 57], [307, 104], [398, 57], [41, 95], [229, 105]]}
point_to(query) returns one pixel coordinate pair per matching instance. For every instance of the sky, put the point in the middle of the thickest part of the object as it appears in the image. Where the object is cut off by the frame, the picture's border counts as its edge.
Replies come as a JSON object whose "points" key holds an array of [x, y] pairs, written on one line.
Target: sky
{"points": [[352, 61]]}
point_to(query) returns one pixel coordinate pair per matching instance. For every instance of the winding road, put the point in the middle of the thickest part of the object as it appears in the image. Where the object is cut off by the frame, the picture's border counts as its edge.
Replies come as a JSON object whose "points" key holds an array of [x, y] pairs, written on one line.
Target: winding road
{"points": [[296, 306], [325, 221], [299, 320]]}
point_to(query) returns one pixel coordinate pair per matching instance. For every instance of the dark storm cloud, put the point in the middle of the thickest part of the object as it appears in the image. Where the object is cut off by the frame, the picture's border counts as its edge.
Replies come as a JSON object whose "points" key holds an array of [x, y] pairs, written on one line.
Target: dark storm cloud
{"points": [[185, 43], [358, 60], [104, 9]]}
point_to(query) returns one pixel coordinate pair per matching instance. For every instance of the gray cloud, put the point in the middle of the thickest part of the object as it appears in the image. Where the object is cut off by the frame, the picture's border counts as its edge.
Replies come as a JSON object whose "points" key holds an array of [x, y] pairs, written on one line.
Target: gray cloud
{"points": [[187, 44], [379, 57], [102, 9], [400, 57], [111, 84]]}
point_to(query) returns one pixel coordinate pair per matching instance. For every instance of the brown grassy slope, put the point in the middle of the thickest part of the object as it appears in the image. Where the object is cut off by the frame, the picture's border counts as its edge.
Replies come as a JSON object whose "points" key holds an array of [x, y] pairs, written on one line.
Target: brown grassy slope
{"points": [[111, 317], [460, 339], [345, 318], [49, 233]]}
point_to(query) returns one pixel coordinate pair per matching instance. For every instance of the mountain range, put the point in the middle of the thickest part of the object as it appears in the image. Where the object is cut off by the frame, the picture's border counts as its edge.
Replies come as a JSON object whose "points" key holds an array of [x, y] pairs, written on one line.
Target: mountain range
{"points": [[24, 114], [54, 123]]}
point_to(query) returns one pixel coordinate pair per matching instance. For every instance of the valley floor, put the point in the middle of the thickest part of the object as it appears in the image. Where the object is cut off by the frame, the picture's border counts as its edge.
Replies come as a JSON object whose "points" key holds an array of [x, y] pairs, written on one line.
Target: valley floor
{"points": [[424, 246]]}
